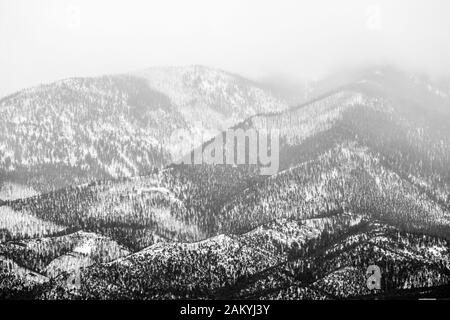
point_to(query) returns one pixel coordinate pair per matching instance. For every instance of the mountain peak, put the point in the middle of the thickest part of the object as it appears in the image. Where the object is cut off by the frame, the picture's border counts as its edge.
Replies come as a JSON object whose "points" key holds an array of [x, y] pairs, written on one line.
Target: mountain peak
{"points": [[81, 124]]}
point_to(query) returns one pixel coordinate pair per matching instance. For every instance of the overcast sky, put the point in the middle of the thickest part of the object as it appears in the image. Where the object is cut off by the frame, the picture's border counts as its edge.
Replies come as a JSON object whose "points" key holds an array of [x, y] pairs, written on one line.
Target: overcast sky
{"points": [[42, 41]]}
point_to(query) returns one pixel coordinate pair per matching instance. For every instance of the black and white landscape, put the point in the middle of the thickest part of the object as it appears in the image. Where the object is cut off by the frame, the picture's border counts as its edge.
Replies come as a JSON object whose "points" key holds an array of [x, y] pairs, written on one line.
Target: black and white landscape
{"points": [[96, 204], [93, 208]]}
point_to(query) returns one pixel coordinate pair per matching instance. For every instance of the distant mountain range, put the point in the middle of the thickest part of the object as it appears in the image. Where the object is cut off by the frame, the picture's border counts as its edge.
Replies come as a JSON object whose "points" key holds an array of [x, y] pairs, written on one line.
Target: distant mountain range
{"points": [[83, 129], [364, 180]]}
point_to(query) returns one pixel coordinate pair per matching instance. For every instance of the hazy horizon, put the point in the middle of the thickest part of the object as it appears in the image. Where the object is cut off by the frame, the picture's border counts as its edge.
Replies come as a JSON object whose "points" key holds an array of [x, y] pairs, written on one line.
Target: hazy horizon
{"points": [[48, 40]]}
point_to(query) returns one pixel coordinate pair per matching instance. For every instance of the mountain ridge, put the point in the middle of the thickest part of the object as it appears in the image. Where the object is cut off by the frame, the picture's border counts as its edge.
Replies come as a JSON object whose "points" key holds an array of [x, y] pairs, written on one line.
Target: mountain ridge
{"points": [[111, 126], [363, 180]]}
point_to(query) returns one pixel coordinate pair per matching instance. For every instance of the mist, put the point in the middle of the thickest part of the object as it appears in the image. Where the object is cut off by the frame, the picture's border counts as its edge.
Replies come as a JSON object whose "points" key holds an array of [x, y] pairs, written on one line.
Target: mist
{"points": [[43, 41]]}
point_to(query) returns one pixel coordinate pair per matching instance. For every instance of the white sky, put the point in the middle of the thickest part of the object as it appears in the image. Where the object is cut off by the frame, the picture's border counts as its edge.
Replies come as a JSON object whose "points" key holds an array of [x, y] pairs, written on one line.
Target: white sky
{"points": [[46, 40]]}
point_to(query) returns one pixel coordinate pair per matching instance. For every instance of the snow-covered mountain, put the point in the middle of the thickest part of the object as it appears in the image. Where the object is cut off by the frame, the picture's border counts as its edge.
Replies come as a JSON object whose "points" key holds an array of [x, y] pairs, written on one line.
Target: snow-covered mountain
{"points": [[280, 260], [364, 179], [78, 130]]}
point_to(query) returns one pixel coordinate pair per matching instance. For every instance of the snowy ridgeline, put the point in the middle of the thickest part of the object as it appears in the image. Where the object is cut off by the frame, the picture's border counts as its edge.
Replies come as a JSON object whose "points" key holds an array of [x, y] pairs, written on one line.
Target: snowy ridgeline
{"points": [[116, 126], [13, 191]]}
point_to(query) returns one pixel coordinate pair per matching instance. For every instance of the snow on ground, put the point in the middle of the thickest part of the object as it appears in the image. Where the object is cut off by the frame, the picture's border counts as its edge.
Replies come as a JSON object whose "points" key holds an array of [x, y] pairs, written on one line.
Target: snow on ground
{"points": [[71, 262], [88, 249], [13, 191], [10, 266], [22, 225]]}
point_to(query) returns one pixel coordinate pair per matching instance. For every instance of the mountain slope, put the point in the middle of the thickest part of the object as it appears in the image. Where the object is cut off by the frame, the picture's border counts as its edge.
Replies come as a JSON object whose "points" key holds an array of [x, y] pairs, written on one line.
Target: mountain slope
{"points": [[364, 179], [303, 259], [78, 130], [355, 150]]}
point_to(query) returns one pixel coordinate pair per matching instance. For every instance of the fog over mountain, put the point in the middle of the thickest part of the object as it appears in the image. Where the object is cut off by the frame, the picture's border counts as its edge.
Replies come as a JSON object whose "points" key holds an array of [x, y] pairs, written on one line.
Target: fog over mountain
{"points": [[49, 40]]}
